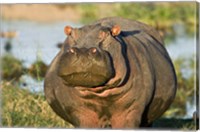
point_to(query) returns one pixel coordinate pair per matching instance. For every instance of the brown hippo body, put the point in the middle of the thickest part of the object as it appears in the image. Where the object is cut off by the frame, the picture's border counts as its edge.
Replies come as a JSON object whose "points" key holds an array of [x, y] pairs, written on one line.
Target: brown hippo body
{"points": [[113, 73]]}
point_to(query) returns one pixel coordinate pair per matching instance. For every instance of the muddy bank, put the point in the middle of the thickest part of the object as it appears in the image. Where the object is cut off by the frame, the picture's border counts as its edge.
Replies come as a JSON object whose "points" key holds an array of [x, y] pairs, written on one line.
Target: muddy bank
{"points": [[40, 12]]}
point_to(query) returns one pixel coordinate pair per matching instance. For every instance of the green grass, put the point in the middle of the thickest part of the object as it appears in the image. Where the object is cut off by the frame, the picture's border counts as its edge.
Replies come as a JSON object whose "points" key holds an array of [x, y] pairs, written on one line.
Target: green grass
{"points": [[161, 15], [166, 13], [21, 108]]}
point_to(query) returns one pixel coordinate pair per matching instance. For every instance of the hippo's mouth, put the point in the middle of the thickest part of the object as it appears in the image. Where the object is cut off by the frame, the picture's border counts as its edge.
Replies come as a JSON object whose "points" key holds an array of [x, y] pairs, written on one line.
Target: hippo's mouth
{"points": [[85, 79], [106, 90]]}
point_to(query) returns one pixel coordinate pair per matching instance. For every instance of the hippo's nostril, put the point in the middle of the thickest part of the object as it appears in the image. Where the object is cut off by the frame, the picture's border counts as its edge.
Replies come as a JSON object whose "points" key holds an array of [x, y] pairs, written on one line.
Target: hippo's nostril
{"points": [[93, 50], [71, 50]]}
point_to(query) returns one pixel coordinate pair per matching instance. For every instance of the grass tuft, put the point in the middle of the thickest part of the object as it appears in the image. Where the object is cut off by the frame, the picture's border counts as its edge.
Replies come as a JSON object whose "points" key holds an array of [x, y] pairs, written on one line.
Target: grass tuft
{"points": [[21, 108]]}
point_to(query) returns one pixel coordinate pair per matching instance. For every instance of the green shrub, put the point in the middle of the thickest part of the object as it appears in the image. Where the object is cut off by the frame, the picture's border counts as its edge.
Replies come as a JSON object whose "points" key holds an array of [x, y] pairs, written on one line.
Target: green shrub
{"points": [[38, 69], [11, 67]]}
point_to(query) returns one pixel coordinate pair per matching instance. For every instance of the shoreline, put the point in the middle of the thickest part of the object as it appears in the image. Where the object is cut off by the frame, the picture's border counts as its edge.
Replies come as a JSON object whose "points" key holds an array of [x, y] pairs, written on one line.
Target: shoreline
{"points": [[40, 12]]}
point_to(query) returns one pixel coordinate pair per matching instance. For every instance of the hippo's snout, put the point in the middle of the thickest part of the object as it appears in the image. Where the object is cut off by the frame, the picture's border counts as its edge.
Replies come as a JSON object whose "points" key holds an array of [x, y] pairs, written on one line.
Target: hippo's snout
{"points": [[88, 67]]}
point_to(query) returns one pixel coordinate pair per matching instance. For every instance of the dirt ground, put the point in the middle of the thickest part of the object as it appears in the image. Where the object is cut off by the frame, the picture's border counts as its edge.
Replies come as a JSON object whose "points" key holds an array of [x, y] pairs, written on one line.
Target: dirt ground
{"points": [[39, 12]]}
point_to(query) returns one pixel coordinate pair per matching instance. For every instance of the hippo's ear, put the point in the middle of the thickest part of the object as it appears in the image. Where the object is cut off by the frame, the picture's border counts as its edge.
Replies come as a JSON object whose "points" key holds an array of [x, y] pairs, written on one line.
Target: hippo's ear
{"points": [[116, 29], [68, 30]]}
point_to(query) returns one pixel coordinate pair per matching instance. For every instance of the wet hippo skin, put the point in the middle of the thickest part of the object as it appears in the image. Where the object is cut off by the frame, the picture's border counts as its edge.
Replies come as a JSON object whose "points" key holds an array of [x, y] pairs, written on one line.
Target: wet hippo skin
{"points": [[113, 73]]}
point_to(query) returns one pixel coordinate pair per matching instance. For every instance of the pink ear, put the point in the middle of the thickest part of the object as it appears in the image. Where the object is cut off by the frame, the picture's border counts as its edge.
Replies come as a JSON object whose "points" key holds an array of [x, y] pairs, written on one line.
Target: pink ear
{"points": [[116, 30], [68, 30]]}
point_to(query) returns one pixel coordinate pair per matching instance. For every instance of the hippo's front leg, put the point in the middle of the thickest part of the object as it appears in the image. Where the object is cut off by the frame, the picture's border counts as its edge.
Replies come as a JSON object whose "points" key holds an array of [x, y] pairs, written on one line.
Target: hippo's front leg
{"points": [[128, 118], [85, 118]]}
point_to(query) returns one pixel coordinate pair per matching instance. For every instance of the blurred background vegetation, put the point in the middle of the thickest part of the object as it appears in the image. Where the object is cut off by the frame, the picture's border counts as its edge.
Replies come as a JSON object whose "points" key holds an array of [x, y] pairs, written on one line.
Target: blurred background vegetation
{"points": [[21, 107]]}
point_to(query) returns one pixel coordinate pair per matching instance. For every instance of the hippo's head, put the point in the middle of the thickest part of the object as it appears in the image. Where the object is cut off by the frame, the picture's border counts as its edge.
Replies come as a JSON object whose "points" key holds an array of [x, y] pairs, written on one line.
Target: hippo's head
{"points": [[89, 56]]}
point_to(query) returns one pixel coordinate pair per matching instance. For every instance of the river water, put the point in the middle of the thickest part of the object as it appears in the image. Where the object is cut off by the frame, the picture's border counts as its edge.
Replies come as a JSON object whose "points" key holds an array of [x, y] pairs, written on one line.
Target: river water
{"points": [[39, 40]]}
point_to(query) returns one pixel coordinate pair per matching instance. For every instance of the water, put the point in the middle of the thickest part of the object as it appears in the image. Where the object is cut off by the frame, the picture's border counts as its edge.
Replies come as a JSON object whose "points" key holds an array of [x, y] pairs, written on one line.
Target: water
{"points": [[183, 45], [37, 40], [34, 40]]}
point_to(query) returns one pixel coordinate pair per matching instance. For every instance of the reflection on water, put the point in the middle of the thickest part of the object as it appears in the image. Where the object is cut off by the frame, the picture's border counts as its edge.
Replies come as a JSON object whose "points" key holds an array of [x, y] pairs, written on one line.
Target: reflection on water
{"points": [[36, 40]]}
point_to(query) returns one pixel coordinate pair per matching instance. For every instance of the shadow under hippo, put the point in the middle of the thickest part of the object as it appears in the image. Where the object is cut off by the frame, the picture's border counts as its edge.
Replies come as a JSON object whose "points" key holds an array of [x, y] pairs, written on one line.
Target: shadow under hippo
{"points": [[114, 73]]}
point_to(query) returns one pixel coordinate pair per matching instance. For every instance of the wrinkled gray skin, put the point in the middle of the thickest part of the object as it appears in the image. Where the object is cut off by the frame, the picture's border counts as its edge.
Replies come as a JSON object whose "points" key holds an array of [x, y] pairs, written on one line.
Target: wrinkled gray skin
{"points": [[128, 83]]}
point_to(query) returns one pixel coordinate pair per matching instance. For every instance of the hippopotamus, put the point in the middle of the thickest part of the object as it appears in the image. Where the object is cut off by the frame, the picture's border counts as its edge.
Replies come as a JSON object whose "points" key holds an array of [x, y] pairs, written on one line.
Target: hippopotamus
{"points": [[114, 73]]}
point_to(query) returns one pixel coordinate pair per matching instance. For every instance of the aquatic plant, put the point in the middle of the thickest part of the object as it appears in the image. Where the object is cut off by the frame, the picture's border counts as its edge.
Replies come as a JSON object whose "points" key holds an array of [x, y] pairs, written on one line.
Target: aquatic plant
{"points": [[38, 69], [11, 68]]}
